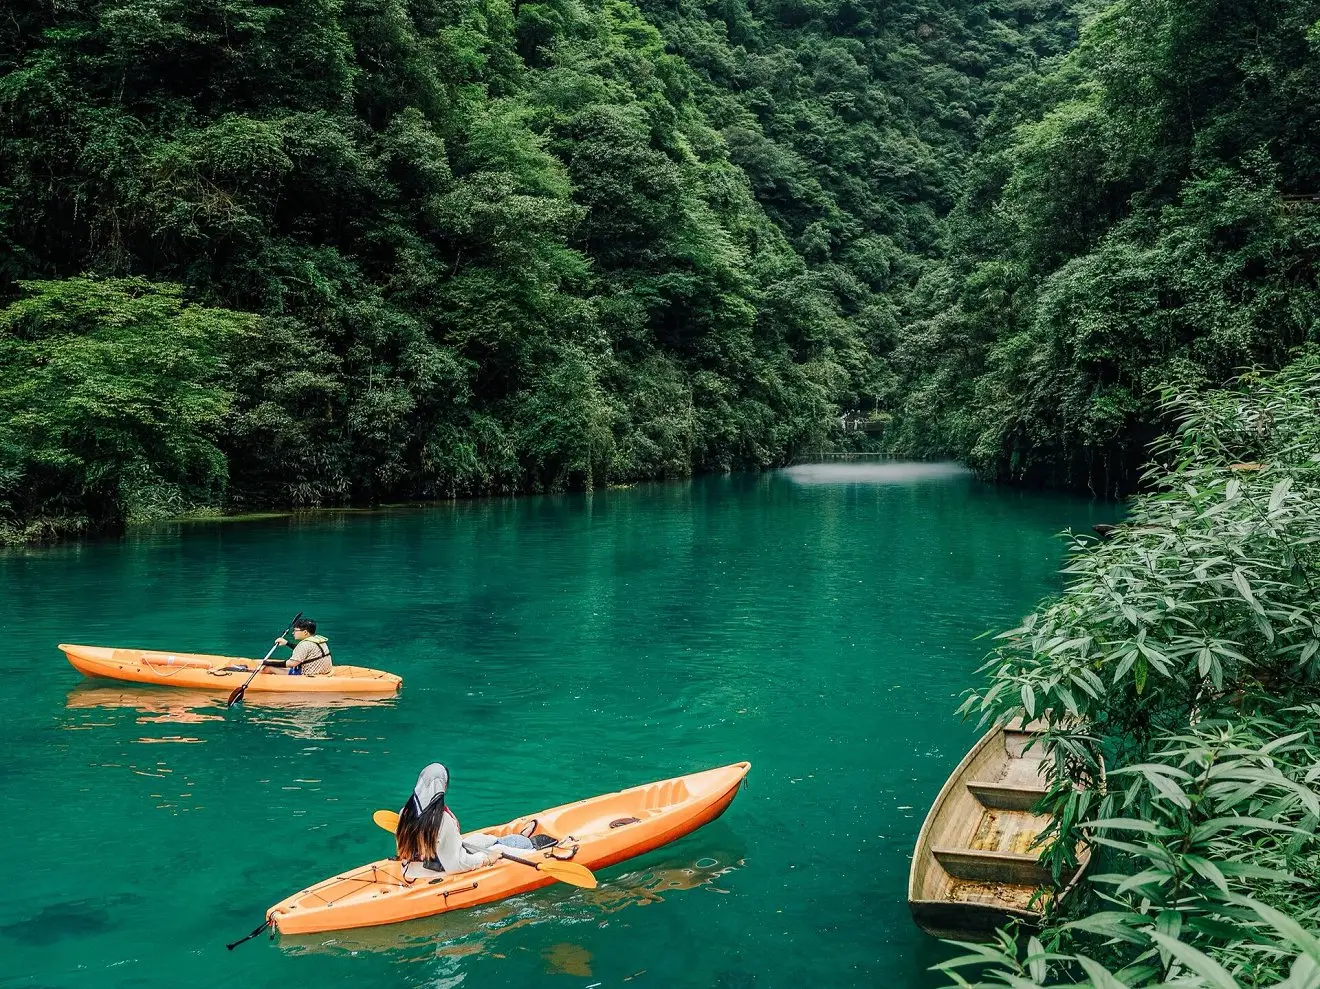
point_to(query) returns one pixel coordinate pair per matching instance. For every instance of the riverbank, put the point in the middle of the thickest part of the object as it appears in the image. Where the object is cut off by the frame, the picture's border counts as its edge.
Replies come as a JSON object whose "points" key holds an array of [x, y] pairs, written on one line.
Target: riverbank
{"points": [[168, 510], [1186, 652]]}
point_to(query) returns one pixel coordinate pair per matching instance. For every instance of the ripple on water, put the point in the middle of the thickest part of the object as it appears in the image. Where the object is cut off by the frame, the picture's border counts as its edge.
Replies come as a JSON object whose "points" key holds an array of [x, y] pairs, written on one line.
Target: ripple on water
{"points": [[492, 928]]}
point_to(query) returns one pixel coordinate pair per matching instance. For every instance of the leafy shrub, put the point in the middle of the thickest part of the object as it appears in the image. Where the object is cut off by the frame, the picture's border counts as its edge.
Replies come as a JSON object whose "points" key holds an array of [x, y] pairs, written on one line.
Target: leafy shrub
{"points": [[111, 401], [1186, 654]]}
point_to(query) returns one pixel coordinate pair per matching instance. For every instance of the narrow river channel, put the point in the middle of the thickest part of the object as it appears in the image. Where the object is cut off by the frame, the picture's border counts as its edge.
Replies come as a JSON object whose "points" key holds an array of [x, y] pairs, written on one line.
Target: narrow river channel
{"points": [[819, 622]]}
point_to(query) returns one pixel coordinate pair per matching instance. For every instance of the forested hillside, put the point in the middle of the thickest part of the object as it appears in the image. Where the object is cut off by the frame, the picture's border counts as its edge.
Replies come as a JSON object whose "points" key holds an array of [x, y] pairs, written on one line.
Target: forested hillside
{"points": [[324, 252], [1145, 213], [412, 250]]}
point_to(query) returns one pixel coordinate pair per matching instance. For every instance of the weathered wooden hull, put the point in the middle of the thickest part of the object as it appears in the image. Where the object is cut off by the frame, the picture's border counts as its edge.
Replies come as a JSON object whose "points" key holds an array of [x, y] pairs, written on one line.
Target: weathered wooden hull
{"points": [[973, 868], [967, 921]]}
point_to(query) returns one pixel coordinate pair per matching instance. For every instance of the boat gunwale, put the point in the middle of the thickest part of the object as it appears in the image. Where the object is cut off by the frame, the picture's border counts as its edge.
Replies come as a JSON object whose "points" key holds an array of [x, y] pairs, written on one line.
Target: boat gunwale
{"points": [[922, 847], [364, 679]]}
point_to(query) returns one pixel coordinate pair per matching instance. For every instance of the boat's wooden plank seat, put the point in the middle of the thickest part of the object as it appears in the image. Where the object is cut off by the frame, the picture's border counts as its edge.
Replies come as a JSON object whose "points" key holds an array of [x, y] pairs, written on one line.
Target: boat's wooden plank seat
{"points": [[1006, 796], [1025, 771], [982, 866]]}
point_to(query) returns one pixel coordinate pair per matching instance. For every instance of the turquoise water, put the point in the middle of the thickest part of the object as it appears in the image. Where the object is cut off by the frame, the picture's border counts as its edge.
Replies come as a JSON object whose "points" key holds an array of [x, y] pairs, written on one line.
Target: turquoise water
{"points": [[816, 622]]}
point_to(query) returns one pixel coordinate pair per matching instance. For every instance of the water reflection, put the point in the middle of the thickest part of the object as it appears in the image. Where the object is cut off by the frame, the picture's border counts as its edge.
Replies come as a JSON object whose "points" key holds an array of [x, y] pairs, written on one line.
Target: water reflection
{"points": [[474, 932], [304, 716]]}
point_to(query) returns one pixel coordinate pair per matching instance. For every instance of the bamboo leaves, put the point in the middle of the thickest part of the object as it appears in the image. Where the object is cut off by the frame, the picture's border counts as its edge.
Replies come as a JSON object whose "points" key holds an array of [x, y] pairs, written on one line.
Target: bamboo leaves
{"points": [[1184, 601], [1185, 651]]}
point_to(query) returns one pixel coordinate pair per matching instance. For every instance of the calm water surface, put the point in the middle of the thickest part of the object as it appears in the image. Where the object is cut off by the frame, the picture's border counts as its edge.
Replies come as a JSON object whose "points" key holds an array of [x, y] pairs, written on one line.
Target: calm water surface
{"points": [[818, 622]]}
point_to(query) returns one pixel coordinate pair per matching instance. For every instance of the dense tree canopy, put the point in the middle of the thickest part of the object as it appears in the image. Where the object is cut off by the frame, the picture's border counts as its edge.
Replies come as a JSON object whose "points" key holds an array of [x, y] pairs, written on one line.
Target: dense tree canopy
{"points": [[496, 247], [111, 398], [1145, 213]]}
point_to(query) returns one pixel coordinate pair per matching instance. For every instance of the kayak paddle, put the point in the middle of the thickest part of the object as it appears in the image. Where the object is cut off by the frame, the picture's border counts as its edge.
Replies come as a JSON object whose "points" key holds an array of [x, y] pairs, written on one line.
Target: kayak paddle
{"points": [[566, 872], [237, 695]]}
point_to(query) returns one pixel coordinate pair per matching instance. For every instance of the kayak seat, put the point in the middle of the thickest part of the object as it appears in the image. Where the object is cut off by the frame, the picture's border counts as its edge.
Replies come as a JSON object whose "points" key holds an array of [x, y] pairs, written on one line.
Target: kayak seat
{"points": [[415, 872], [622, 821]]}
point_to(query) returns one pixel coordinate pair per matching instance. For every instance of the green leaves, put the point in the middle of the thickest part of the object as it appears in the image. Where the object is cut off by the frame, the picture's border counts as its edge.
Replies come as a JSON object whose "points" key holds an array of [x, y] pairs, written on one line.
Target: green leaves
{"points": [[1211, 971], [1091, 259], [1198, 624], [1187, 602], [111, 400], [474, 273]]}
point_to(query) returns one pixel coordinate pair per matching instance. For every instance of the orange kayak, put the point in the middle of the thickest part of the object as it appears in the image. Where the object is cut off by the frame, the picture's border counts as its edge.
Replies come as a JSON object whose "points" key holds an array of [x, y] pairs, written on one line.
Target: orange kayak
{"points": [[597, 832], [200, 671]]}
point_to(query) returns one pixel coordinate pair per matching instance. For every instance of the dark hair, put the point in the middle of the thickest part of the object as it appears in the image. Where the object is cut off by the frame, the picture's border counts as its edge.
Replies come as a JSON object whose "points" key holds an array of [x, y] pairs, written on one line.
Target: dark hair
{"points": [[416, 833], [306, 623]]}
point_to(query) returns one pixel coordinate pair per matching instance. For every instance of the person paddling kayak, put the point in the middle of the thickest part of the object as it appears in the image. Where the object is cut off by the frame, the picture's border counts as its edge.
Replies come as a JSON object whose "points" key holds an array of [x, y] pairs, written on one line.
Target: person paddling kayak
{"points": [[311, 652], [428, 832]]}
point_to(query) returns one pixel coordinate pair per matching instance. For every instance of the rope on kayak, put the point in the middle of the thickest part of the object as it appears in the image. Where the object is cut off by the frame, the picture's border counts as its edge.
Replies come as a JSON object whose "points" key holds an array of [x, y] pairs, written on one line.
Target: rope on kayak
{"points": [[403, 881], [264, 925], [376, 879], [175, 668]]}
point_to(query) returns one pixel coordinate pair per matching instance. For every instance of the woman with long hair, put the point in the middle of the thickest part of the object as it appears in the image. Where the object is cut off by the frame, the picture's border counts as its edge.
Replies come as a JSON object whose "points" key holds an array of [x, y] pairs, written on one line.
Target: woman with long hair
{"points": [[428, 832]]}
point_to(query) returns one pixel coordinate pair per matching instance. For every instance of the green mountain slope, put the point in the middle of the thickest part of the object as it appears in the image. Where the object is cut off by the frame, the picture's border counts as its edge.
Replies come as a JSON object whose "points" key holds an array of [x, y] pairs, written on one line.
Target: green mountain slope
{"points": [[491, 247], [1145, 213]]}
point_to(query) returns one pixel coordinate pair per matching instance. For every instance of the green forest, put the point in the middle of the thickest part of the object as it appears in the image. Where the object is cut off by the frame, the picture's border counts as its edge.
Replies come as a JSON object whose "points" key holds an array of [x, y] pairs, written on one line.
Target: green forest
{"points": [[326, 253], [339, 252]]}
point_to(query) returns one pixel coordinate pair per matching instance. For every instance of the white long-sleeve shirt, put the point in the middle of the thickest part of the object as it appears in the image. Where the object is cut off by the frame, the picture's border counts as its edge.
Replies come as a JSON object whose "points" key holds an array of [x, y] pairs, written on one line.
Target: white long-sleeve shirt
{"points": [[452, 856]]}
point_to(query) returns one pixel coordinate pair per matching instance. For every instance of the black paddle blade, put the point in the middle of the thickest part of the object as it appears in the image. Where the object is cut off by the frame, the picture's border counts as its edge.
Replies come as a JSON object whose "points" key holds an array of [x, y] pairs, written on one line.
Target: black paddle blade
{"points": [[237, 695]]}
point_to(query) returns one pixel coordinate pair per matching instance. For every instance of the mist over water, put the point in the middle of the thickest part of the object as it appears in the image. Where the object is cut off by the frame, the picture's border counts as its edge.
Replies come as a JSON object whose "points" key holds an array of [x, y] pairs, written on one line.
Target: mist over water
{"points": [[819, 622], [885, 472]]}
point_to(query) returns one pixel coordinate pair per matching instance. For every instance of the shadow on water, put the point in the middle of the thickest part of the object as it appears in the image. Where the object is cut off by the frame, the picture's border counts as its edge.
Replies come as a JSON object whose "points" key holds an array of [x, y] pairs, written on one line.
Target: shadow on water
{"points": [[171, 700], [303, 716], [69, 919]]}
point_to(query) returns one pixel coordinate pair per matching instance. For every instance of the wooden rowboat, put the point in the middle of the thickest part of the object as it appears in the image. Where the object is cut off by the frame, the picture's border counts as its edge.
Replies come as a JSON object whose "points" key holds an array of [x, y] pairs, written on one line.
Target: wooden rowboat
{"points": [[973, 868]]}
